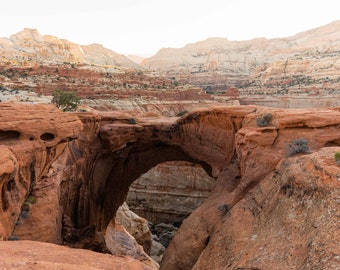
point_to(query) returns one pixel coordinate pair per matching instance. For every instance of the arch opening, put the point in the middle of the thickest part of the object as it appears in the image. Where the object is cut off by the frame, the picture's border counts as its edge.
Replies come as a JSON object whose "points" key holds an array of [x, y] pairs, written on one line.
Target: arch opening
{"points": [[170, 191], [166, 195], [127, 165]]}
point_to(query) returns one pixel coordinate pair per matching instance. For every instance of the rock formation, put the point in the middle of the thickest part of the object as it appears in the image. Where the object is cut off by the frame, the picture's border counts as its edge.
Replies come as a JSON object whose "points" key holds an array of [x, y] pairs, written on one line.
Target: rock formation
{"points": [[24, 255], [266, 209], [179, 189], [274, 72], [29, 46]]}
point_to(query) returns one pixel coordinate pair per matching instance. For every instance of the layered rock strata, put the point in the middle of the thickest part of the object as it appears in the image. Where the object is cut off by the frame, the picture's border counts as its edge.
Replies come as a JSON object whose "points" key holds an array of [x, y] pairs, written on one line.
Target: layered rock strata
{"points": [[267, 72], [169, 192]]}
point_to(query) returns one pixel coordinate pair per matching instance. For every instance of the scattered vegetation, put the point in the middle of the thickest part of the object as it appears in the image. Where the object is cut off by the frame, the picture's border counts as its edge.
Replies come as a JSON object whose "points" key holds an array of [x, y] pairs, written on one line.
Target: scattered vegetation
{"points": [[182, 113], [65, 101], [132, 121], [263, 120], [298, 146], [224, 209], [337, 158], [13, 238], [30, 200]]}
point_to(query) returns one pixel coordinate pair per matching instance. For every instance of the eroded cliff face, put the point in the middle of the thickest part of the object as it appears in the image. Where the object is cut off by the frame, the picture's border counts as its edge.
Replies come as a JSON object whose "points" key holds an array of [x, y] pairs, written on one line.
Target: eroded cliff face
{"points": [[32, 138], [170, 192], [264, 203], [298, 71]]}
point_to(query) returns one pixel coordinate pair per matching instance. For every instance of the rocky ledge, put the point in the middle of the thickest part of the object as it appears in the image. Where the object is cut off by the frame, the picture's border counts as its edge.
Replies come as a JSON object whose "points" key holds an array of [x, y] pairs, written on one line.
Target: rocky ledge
{"points": [[274, 203]]}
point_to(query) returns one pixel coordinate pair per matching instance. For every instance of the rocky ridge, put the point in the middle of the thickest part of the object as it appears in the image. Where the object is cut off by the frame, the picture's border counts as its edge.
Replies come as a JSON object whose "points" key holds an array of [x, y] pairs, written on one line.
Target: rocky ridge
{"points": [[29, 46], [80, 174], [265, 71]]}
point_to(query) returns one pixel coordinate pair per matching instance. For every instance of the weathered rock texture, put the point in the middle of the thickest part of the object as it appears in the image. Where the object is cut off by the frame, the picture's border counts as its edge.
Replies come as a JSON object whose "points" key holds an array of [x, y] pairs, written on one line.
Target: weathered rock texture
{"points": [[24, 255], [135, 225], [264, 204], [264, 70], [32, 138], [169, 192]]}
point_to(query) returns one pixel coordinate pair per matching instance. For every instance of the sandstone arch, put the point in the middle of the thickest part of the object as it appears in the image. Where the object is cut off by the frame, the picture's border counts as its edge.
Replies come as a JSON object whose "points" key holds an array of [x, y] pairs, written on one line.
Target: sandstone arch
{"points": [[131, 150], [85, 171]]}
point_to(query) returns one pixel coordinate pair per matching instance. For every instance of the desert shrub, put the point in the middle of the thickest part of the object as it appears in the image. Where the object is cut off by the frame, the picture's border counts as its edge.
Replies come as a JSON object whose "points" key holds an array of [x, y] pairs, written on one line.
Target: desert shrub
{"points": [[13, 238], [298, 146], [223, 208], [30, 199], [182, 113], [337, 157], [264, 120], [65, 101], [132, 121]]}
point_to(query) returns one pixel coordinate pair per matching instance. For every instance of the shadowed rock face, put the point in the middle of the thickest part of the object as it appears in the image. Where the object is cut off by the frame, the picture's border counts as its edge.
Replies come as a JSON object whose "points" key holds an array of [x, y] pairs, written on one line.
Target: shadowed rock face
{"points": [[92, 175]]}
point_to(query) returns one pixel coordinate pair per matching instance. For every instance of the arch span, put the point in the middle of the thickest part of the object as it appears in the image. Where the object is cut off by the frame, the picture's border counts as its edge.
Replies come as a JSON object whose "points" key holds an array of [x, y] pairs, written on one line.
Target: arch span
{"points": [[129, 150]]}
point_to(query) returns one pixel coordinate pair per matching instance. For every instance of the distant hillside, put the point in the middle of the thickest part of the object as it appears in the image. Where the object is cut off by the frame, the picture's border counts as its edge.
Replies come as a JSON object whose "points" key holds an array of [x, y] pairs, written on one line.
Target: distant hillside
{"points": [[29, 46], [307, 60]]}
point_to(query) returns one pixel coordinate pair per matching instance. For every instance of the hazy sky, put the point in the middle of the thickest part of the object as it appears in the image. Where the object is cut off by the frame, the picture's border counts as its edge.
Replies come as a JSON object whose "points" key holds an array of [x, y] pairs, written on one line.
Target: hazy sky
{"points": [[145, 26]]}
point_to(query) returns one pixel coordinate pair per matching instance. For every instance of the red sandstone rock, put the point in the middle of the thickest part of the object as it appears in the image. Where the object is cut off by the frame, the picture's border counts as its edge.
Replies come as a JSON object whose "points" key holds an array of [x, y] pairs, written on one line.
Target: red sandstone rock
{"points": [[287, 221], [32, 137], [264, 204], [37, 255]]}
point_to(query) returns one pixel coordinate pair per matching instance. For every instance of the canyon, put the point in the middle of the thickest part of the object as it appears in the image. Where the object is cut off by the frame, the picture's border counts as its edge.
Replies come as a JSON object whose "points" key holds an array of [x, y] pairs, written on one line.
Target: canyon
{"points": [[78, 168], [225, 147]]}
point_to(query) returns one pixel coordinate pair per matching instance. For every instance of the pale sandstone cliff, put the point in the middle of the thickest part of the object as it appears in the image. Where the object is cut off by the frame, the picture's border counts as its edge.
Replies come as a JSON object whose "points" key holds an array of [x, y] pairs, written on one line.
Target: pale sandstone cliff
{"points": [[29, 46], [306, 64], [264, 204]]}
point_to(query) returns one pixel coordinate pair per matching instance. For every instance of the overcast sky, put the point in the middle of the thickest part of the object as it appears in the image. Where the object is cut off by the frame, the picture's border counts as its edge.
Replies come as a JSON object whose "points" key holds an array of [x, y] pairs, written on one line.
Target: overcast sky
{"points": [[145, 26]]}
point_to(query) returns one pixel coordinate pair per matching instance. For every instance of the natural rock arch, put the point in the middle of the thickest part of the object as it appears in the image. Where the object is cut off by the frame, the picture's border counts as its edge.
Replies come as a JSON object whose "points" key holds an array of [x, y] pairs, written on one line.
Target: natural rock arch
{"points": [[84, 172], [131, 150]]}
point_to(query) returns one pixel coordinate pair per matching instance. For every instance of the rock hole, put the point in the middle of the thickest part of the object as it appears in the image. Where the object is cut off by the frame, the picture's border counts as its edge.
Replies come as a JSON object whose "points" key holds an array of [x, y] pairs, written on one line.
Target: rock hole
{"points": [[9, 135], [332, 144], [267, 131], [47, 137]]}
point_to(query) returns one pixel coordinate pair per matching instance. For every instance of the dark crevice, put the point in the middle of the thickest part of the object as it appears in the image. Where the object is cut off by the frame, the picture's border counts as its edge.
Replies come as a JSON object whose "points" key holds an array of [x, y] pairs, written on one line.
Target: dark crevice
{"points": [[4, 200], [47, 137], [9, 135]]}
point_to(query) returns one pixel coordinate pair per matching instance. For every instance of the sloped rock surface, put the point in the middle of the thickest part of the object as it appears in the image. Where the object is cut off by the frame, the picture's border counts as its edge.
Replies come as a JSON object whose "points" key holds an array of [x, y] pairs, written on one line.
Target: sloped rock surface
{"points": [[38, 255]]}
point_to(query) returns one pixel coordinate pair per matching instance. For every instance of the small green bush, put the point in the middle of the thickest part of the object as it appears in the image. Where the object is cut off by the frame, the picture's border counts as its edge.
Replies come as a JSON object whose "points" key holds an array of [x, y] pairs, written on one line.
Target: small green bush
{"points": [[298, 146], [132, 121], [13, 238], [30, 200], [182, 113], [65, 101], [337, 157], [263, 120]]}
